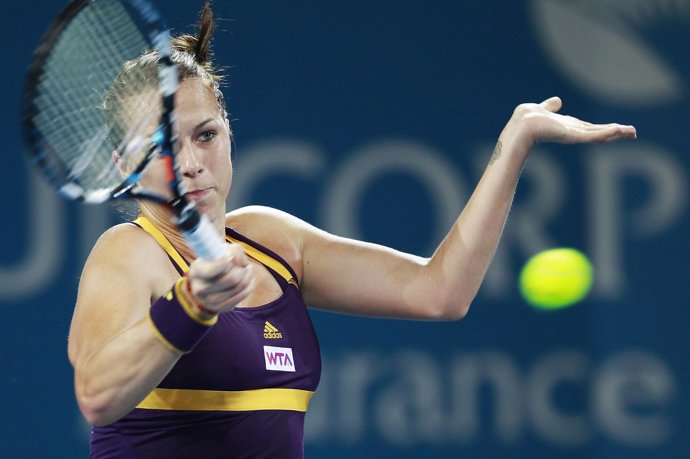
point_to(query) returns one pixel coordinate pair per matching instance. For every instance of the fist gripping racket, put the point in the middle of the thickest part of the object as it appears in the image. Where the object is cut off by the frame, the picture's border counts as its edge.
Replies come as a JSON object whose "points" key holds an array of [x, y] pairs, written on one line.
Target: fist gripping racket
{"points": [[94, 121]]}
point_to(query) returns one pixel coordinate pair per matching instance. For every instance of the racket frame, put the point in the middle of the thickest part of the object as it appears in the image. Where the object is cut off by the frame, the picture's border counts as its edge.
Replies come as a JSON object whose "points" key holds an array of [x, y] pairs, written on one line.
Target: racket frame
{"points": [[196, 228]]}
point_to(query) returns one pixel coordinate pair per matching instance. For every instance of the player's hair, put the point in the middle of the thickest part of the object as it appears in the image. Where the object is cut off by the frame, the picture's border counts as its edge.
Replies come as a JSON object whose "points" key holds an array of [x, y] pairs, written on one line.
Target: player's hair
{"points": [[193, 56]]}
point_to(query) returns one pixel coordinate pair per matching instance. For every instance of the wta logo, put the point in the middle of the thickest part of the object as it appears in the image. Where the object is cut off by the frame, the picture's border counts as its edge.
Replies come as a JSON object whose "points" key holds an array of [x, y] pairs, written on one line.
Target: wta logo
{"points": [[279, 358]]}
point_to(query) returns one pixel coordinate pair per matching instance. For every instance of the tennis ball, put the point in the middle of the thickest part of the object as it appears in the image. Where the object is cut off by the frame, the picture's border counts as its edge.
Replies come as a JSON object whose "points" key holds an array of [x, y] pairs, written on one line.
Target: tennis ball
{"points": [[556, 278]]}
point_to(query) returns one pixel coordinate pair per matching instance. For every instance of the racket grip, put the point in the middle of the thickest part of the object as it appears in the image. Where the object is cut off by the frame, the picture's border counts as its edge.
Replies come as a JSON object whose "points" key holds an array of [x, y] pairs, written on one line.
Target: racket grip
{"points": [[203, 238]]}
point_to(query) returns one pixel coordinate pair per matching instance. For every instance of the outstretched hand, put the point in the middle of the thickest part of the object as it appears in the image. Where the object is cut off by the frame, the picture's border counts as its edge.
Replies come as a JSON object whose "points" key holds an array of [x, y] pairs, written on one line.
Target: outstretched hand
{"points": [[542, 123]]}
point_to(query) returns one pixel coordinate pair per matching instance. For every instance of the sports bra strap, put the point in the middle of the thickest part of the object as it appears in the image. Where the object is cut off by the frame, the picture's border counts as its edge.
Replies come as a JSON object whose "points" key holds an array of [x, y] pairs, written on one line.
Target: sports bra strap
{"points": [[163, 242], [274, 265], [265, 260]]}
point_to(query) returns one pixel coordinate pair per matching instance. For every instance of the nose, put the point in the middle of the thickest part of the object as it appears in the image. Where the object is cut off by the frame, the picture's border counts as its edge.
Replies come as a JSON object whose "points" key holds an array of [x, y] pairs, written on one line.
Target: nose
{"points": [[188, 161]]}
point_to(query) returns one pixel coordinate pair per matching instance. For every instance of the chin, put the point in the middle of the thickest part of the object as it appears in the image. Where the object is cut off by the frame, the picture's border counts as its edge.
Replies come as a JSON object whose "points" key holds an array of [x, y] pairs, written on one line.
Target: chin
{"points": [[212, 212]]}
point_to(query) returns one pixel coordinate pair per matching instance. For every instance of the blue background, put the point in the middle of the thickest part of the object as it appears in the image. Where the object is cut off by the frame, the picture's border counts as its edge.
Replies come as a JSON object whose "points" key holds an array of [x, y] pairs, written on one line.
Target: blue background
{"points": [[374, 119]]}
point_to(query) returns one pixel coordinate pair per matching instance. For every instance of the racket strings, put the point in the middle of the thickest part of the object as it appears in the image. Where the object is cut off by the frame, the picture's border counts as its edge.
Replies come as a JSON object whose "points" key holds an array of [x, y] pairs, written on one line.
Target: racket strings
{"points": [[77, 77]]}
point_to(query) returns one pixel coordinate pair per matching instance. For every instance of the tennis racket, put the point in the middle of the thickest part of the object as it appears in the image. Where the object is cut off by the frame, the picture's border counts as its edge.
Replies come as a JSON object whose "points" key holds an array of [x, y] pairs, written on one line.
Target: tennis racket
{"points": [[94, 125]]}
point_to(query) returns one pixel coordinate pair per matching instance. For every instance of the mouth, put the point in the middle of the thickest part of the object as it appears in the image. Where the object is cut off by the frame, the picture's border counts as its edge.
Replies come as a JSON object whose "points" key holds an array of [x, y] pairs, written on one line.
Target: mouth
{"points": [[197, 195]]}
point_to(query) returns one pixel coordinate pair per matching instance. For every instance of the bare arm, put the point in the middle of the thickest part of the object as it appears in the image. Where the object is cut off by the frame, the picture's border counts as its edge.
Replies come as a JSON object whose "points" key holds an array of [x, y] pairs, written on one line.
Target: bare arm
{"points": [[117, 358], [354, 277]]}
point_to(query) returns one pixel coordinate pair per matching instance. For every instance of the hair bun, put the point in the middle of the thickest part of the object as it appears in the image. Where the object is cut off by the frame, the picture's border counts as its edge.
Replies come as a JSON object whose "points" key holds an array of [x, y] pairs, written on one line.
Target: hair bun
{"points": [[199, 46], [205, 30]]}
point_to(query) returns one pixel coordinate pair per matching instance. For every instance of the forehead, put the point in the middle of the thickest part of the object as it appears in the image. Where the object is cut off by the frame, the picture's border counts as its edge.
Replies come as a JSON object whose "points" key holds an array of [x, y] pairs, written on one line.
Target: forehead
{"points": [[194, 99], [195, 96]]}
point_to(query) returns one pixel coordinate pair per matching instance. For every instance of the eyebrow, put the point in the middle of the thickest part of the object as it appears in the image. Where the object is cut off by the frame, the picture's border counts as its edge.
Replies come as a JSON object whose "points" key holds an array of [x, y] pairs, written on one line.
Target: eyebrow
{"points": [[200, 125]]}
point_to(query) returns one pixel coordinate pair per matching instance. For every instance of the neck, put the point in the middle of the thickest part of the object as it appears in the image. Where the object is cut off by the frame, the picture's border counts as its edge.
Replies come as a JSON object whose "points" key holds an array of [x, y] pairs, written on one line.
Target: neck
{"points": [[162, 217]]}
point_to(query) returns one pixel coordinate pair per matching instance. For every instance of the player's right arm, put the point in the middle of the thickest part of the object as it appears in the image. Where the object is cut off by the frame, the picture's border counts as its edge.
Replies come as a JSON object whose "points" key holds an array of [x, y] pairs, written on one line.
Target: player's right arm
{"points": [[116, 356]]}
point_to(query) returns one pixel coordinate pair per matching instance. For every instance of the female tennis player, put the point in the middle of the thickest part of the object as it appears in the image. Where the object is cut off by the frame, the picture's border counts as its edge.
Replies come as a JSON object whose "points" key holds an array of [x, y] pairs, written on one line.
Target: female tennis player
{"points": [[179, 357]]}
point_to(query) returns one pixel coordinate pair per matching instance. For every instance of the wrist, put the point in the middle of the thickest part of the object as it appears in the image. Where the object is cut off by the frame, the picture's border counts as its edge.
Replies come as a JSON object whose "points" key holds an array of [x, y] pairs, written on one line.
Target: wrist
{"points": [[203, 311], [176, 322], [516, 139]]}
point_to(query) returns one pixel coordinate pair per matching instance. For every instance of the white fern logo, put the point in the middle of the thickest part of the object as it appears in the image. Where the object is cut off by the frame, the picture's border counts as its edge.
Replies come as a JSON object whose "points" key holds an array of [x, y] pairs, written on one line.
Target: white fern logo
{"points": [[601, 47]]}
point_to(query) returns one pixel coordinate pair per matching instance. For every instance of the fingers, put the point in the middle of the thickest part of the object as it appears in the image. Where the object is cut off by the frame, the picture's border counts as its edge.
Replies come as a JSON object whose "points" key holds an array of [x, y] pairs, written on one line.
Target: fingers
{"points": [[212, 270], [554, 127], [219, 285], [617, 132], [587, 132], [600, 132], [238, 254], [591, 128], [230, 290]]}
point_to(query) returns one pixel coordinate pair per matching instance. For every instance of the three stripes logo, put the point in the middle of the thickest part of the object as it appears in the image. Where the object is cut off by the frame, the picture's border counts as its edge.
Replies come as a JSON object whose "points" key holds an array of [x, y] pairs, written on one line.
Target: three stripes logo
{"points": [[271, 332]]}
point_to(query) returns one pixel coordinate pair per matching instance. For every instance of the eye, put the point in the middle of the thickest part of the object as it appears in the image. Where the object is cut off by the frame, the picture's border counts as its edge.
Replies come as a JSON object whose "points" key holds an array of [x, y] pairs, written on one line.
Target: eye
{"points": [[207, 136]]}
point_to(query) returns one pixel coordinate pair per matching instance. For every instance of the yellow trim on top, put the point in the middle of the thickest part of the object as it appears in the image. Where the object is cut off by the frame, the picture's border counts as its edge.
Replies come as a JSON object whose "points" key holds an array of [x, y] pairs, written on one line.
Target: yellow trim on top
{"points": [[213, 400], [249, 250], [264, 259], [163, 242]]}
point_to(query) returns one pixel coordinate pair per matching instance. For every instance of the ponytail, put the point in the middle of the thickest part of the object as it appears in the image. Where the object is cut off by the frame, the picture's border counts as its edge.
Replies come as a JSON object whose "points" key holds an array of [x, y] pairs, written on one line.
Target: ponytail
{"points": [[198, 46]]}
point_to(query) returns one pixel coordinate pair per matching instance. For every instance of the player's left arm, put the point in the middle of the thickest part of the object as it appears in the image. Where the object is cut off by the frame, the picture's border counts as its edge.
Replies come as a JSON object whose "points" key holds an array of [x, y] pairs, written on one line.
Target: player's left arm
{"points": [[350, 276], [360, 278]]}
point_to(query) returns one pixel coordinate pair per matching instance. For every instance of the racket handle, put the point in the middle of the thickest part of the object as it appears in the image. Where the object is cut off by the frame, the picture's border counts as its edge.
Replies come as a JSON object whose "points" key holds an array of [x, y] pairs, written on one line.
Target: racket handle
{"points": [[202, 236]]}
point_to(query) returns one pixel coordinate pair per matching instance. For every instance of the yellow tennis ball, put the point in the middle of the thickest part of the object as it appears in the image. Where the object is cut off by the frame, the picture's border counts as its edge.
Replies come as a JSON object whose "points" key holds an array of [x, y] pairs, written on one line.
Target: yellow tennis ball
{"points": [[556, 278]]}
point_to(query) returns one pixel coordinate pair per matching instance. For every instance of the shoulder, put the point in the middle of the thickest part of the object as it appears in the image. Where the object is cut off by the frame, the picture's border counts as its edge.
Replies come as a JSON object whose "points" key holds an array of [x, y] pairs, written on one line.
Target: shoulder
{"points": [[128, 242], [254, 220], [127, 251], [250, 217]]}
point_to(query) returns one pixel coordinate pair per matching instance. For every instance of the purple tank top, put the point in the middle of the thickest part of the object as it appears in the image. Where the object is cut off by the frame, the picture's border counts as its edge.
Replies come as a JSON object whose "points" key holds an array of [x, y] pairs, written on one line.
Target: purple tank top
{"points": [[241, 393]]}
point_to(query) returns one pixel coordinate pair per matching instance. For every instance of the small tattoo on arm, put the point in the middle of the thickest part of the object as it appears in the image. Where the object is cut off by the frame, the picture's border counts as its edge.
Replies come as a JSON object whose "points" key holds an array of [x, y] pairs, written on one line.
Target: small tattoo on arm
{"points": [[497, 152]]}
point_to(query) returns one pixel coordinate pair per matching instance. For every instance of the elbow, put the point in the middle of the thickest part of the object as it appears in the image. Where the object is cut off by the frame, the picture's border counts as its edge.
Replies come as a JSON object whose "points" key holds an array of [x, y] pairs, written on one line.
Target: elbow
{"points": [[453, 304], [451, 310], [454, 313], [97, 409], [98, 414], [95, 412]]}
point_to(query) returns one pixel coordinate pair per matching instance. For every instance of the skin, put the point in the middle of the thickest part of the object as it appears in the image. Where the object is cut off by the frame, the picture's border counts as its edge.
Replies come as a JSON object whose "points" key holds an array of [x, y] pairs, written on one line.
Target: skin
{"points": [[117, 358]]}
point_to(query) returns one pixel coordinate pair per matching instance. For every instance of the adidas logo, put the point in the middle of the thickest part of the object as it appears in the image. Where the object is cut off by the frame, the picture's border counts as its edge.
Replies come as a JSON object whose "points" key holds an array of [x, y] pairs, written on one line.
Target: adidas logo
{"points": [[271, 332]]}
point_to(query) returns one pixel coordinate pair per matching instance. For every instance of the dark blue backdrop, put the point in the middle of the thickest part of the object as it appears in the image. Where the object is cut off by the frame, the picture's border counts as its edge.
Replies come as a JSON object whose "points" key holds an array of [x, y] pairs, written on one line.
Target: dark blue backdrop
{"points": [[374, 119]]}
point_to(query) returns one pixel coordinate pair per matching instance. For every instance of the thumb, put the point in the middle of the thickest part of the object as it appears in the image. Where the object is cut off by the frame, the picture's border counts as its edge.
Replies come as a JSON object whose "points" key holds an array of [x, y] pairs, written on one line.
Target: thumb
{"points": [[552, 104], [237, 255]]}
